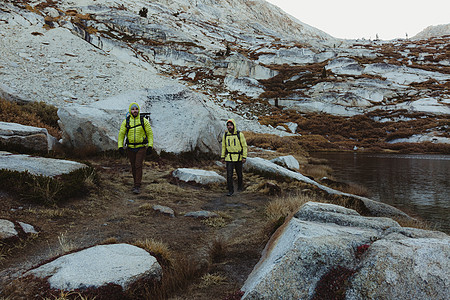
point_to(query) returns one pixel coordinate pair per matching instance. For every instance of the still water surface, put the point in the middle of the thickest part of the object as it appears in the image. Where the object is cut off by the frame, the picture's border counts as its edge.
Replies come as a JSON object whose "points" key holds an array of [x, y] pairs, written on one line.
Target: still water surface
{"points": [[416, 184]]}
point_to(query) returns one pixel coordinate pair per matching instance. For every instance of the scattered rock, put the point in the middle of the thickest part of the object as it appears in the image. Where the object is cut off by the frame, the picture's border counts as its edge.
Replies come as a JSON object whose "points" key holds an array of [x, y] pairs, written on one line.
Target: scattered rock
{"points": [[27, 228], [7, 229], [198, 176], [164, 210], [202, 214], [287, 161]]}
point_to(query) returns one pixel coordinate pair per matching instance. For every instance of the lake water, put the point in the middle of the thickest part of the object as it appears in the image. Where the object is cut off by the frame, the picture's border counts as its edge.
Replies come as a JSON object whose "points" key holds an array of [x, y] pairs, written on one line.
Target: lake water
{"points": [[416, 184]]}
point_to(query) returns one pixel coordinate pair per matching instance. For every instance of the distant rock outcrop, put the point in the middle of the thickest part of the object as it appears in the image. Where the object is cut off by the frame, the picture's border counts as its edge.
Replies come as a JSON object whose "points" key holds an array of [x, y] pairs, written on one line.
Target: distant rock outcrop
{"points": [[327, 250], [119, 264], [433, 31]]}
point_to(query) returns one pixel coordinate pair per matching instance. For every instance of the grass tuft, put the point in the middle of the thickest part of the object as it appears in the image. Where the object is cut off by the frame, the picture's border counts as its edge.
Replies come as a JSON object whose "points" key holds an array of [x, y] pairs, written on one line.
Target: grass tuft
{"points": [[211, 279], [158, 249]]}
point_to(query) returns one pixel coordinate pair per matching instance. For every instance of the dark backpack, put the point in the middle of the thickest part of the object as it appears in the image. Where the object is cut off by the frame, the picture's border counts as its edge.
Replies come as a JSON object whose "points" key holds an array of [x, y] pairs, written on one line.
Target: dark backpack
{"points": [[128, 127]]}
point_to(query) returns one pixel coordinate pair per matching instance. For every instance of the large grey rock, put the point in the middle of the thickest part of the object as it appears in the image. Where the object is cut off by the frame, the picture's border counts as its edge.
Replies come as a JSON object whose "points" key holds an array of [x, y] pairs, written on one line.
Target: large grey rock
{"points": [[400, 263], [180, 121], [260, 165], [30, 137], [198, 176], [407, 268], [120, 264], [49, 167]]}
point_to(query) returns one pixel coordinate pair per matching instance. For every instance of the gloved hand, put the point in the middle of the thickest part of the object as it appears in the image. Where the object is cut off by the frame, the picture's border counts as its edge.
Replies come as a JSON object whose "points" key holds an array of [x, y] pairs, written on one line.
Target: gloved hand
{"points": [[122, 151], [149, 150]]}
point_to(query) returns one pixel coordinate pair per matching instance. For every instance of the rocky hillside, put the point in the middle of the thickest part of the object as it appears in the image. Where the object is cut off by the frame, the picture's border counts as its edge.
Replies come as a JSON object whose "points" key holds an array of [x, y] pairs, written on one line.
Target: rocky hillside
{"points": [[248, 59]]}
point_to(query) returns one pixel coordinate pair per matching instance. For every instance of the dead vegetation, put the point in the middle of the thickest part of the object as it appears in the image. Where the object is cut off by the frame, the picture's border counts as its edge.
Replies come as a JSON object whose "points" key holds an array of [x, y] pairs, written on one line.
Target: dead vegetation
{"points": [[38, 114], [323, 132]]}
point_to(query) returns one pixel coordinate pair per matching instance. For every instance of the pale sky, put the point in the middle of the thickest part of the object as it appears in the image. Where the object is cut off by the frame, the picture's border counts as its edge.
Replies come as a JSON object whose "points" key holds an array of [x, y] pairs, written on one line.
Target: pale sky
{"points": [[353, 19]]}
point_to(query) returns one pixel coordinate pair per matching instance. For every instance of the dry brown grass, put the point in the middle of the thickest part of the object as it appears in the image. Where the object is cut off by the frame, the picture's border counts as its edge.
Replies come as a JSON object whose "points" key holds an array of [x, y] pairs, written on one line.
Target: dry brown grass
{"points": [[218, 249], [287, 144], [414, 223], [158, 249], [282, 207], [355, 189], [322, 132], [316, 171], [212, 279], [280, 87], [36, 114], [69, 295]]}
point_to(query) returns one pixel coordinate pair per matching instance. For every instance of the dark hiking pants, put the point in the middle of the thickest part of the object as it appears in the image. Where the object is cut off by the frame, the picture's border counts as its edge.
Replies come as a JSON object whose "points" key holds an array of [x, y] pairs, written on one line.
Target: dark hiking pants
{"points": [[136, 160], [231, 165]]}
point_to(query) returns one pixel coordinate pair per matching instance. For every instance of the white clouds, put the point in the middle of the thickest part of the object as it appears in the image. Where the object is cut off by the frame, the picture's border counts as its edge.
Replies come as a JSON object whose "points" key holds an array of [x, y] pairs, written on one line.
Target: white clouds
{"points": [[354, 19]]}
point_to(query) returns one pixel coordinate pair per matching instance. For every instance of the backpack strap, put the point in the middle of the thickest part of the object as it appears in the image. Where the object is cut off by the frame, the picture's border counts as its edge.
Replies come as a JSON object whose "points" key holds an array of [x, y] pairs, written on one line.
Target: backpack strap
{"points": [[128, 127], [240, 143]]}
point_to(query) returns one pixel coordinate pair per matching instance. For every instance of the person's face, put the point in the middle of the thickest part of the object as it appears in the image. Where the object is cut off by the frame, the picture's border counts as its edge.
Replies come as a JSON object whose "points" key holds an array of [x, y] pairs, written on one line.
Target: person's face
{"points": [[230, 127], [134, 111]]}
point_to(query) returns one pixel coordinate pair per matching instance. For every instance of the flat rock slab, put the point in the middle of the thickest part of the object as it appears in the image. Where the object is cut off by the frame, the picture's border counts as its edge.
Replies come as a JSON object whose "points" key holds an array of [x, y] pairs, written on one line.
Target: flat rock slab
{"points": [[26, 136], [35, 165], [120, 264], [198, 176]]}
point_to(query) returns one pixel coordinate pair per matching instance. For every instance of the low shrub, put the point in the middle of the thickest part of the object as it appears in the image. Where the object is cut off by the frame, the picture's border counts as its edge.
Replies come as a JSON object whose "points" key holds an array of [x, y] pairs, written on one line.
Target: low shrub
{"points": [[48, 190], [37, 114], [286, 144], [158, 249]]}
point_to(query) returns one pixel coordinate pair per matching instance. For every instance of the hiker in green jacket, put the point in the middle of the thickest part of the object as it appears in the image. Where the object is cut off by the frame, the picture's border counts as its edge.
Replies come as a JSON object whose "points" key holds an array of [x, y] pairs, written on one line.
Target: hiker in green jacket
{"points": [[234, 153], [136, 136]]}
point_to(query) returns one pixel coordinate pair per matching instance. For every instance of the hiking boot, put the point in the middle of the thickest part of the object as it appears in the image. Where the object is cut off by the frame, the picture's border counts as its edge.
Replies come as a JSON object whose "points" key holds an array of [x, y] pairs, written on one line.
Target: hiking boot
{"points": [[230, 194], [136, 190]]}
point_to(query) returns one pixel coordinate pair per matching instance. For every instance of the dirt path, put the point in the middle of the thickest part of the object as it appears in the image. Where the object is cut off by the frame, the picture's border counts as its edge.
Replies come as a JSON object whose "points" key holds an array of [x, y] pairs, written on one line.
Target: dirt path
{"points": [[113, 212]]}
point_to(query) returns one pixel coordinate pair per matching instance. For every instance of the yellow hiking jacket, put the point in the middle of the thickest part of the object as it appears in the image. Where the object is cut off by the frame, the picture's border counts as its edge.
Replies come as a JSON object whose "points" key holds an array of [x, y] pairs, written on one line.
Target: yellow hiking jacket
{"points": [[233, 149], [136, 134]]}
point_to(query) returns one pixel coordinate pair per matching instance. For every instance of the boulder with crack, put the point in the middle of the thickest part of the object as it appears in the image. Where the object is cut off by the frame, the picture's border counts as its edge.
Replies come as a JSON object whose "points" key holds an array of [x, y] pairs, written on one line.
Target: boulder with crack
{"points": [[327, 252]]}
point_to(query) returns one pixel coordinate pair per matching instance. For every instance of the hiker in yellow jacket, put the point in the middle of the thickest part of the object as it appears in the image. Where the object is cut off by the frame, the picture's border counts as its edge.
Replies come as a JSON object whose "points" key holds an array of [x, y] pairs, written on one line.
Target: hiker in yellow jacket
{"points": [[136, 136], [234, 153]]}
